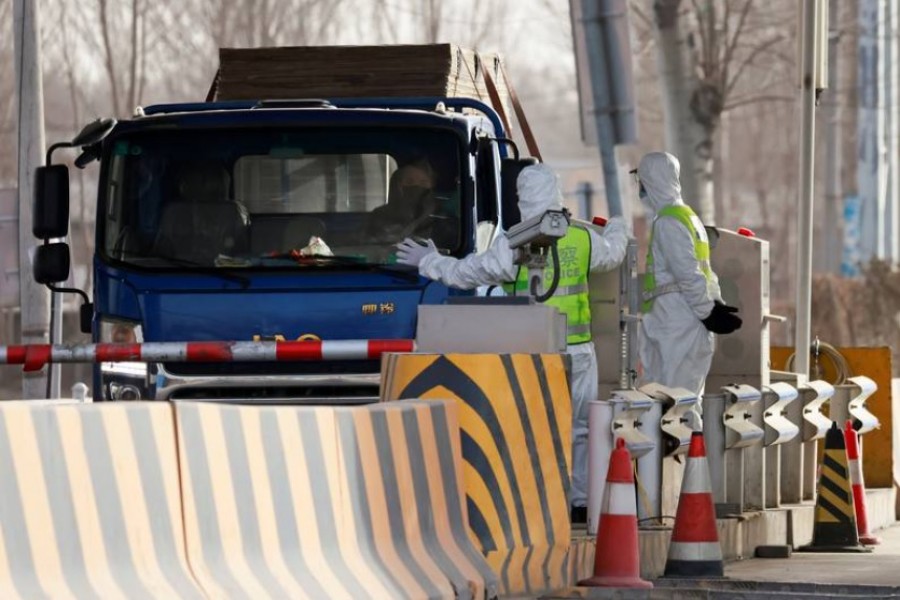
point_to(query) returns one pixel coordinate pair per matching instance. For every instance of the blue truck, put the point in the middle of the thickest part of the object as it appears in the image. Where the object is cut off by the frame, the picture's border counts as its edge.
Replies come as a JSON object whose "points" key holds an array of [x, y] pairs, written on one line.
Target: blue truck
{"points": [[274, 220]]}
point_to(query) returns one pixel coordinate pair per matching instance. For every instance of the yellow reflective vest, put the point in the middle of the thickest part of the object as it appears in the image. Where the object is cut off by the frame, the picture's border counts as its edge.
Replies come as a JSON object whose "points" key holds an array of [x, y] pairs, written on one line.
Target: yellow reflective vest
{"points": [[571, 296], [687, 217]]}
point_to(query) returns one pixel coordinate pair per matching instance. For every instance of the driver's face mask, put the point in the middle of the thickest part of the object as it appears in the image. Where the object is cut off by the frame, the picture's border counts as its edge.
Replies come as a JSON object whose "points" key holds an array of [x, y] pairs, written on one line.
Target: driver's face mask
{"points": [[414, 198]]}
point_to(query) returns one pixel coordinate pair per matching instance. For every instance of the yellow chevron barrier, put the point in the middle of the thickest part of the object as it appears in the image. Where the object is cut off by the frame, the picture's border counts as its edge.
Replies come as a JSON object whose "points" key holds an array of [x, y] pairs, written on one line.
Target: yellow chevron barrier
{"points": [[90, 503], [515, 426], [326, 502]]}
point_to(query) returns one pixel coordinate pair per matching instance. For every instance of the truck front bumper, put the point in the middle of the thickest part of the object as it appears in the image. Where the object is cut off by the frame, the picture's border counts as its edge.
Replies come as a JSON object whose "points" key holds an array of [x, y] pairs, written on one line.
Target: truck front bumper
{"points": [[343, 388]]}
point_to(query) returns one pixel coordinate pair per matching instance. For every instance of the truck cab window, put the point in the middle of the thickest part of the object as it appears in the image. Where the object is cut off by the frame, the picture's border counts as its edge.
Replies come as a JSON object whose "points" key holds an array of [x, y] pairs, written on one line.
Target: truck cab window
{"points": [[275, 199]]}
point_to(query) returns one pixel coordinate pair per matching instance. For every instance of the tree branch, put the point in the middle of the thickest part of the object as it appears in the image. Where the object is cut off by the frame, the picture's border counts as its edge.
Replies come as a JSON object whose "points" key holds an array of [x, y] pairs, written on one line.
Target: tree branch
{"points": [[730, 45], [637, 11], [760, 98], [729, 85], [109, 61]]}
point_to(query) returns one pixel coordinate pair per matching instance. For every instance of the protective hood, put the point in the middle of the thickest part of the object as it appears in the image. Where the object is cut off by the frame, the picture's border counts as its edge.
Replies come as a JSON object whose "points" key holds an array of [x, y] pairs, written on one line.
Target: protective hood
{"points": [[658, 172], [538, 191]]}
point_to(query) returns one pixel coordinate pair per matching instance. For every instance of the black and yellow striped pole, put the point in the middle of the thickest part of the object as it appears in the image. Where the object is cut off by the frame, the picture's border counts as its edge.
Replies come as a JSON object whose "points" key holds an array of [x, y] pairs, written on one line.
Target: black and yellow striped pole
{"points": [[835, 524]]}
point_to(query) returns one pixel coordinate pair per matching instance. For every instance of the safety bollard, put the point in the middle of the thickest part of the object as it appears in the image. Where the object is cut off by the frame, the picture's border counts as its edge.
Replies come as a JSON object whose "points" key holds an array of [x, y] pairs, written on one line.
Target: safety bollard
{"points": [[777, 397], [858, 486], [80, 392]]}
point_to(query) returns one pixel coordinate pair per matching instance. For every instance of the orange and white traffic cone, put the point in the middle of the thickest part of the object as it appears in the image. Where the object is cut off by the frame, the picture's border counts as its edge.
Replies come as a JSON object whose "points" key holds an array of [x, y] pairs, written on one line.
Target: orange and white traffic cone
{"points": [[616, 556], [858, 485], [694, 550]]}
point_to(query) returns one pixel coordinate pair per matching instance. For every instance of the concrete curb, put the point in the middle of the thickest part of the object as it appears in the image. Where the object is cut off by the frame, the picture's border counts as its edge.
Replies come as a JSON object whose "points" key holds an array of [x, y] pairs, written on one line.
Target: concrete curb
{"points": [[721, 589]]}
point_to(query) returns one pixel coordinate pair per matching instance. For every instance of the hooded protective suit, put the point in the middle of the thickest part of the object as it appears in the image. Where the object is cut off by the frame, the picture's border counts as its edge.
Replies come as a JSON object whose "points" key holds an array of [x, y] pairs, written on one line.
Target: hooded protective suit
{"points": [[676, 348], [538, 192]]}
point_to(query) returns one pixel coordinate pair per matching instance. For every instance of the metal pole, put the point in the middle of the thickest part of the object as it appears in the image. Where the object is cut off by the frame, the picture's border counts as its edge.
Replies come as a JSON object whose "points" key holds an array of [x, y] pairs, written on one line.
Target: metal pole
{"points": [[870, 130], [599, 78], [585, 194], [805, 201], [831, 108], [892, 124], [34, 299]]}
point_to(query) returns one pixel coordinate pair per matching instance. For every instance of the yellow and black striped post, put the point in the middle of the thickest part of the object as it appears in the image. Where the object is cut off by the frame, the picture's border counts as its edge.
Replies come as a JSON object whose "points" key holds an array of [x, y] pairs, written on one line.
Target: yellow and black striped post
{"points": [[515, 420], [835, 525]]}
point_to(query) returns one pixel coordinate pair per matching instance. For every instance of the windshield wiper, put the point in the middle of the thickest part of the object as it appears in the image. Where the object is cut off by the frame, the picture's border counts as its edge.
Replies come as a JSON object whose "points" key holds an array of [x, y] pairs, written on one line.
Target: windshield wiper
{"points": [[354, 261], [220, 272]]}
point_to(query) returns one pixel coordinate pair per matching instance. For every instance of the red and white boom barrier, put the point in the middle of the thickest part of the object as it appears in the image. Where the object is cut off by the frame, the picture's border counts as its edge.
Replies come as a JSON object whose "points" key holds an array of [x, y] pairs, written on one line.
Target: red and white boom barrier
{"points": [[34, 357]]}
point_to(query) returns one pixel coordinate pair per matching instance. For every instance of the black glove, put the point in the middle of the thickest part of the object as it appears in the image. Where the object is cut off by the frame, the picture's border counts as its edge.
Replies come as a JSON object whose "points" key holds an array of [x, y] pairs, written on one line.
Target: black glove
{"points": [[723, 319], [731, 309]]}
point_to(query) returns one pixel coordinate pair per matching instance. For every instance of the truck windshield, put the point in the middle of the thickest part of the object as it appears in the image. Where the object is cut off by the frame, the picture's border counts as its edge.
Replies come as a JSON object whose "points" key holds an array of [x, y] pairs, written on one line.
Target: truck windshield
{"points": [[279, 198]]}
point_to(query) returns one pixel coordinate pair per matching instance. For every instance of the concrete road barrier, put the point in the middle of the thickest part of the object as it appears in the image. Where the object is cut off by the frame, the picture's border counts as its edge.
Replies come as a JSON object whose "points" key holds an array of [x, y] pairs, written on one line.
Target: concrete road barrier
{"points": [[90, 504], [321, 502], [403, 478]]}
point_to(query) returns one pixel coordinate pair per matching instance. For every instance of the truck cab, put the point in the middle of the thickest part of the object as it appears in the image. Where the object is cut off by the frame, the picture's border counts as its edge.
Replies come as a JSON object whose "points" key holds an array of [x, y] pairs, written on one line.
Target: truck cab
{"points": [[256, 220]]}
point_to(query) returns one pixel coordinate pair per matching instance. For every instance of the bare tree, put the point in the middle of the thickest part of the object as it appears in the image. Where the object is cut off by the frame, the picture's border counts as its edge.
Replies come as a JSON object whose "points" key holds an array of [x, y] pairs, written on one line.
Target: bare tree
{"points": [[705, 50], [7, 90]]}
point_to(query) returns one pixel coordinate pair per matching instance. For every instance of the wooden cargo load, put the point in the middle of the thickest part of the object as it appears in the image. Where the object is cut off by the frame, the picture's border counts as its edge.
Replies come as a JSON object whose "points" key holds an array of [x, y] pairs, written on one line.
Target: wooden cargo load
{"points": [[356, 72]]}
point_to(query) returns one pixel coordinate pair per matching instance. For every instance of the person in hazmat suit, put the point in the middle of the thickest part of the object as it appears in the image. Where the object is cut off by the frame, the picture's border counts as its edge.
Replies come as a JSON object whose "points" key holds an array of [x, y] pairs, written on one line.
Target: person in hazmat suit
{"points": [[581, 251], [682, 303]]}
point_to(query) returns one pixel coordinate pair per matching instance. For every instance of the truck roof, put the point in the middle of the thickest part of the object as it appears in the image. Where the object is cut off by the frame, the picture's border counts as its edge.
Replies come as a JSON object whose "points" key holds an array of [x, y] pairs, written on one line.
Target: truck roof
{"points": [[339, 111]]}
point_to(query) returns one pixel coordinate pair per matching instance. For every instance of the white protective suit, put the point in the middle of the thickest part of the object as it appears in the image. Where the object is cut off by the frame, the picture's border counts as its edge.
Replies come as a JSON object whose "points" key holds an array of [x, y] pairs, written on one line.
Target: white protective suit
{"points": [[538, 192], [676, 349]]}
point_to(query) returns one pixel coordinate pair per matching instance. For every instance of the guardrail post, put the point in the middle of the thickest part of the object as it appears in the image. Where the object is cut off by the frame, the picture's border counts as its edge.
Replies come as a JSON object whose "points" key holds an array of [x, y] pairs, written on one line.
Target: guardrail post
{"points": [[814, 395], [714, 437], [849, 402], [618, 417], [741, 432], [777, 397], [792, 450], [680, 418], [650, 464]]}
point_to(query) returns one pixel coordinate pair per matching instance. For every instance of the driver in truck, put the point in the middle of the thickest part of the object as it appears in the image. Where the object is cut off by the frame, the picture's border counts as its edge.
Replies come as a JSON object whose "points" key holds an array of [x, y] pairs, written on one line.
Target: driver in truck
{"points": [[411, 205]]}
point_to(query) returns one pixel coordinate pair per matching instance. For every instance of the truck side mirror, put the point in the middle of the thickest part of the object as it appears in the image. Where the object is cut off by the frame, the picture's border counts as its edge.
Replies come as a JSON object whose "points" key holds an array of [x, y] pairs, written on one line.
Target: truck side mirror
{"points": [[86, 317], [50, 207], [51, 263], [509, 173], [93, 132]]}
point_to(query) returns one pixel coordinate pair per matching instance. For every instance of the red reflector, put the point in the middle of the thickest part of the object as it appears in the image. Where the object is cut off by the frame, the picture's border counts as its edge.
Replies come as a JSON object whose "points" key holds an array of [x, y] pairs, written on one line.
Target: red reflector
{"points": [[745, 232], [601, 221]]}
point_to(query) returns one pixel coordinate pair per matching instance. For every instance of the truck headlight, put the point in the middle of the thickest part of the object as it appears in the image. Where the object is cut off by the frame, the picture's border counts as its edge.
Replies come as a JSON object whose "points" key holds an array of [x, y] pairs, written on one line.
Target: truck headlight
{"points": [[122, 380], [120, 331]]}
